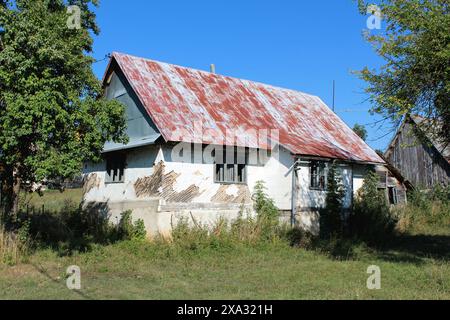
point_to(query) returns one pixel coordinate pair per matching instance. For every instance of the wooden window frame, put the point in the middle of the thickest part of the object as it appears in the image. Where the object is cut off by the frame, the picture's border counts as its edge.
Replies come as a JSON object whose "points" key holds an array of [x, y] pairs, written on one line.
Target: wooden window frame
{"points": [[322, 172], [223, 176], [394, 195], [116, 164]]}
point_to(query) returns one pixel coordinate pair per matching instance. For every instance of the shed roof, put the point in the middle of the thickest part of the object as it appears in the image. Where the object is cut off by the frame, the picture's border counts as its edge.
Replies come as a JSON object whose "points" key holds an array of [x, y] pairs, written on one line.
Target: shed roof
{"points": [[442, 147], [196, 106]]}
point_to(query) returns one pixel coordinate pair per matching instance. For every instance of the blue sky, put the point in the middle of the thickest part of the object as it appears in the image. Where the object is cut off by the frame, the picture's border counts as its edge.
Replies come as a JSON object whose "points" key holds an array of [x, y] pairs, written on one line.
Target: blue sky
{"points": [[296, 44]]}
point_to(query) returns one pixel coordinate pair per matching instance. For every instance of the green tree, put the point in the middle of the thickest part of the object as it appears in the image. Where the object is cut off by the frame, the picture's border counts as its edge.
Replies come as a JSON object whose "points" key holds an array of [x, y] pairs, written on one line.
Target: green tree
{"points": [[52, 114], [361, 131], [415, 44], [331, 216]]}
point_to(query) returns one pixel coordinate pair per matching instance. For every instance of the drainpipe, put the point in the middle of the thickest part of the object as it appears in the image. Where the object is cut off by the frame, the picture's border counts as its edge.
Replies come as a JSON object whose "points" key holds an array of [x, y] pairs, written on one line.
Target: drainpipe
{"points": [[294, 193]]}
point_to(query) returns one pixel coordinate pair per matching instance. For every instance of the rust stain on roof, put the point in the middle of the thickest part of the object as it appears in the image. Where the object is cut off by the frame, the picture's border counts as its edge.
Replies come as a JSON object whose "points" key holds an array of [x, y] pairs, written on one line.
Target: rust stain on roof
{"points": [[181, 100]]}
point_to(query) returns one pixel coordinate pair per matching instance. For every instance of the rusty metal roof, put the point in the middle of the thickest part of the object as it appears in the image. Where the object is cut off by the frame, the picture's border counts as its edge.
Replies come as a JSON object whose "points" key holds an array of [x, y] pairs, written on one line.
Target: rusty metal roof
{"points": [[196, 106]]}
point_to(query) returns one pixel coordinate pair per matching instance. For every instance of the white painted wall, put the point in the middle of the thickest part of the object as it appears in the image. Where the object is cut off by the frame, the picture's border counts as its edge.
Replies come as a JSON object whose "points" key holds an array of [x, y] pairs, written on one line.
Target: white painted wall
{"points": [[140, 164], [308, 198], [276, 173], [277, 177]]}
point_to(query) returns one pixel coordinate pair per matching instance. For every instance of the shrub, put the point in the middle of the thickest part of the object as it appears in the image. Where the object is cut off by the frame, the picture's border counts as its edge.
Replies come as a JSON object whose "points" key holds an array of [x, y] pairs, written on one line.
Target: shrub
{"points": [[425, 212], [331, 215], [371, 219], [297, 237], [267, 212], [73, 229], [225, 234], [127, 230]]}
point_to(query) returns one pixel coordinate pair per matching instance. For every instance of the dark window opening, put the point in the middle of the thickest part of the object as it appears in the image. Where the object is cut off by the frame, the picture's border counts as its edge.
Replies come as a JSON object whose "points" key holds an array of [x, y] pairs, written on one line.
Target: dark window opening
{"points": [[115, 168], [318, 175], [392, 195], [231, 168]]}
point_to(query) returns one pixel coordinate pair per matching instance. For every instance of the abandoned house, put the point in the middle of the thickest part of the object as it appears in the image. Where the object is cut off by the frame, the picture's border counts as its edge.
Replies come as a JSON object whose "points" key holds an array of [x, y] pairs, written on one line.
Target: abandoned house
{"points": [[422, 160], [199, 142]]}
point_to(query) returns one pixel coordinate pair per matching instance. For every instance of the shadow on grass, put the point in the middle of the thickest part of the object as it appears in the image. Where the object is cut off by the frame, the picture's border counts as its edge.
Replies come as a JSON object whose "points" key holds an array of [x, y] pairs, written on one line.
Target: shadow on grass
{"points": [[44, 272], [416, 248], [406, 248], [71, 229]]}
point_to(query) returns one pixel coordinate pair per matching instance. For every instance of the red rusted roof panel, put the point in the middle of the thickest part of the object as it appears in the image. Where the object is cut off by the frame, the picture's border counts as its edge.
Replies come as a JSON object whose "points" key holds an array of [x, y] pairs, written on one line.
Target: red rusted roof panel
{"points": [[196, 106]]}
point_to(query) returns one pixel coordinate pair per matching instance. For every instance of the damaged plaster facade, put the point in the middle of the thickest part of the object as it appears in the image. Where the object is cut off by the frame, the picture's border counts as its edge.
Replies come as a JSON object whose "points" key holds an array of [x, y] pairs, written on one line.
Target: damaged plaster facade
{"points": [[147, 177]]}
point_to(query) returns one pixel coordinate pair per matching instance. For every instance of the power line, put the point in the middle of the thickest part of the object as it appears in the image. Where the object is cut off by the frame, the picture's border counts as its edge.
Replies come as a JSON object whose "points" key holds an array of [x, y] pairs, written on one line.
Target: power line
{"points": [[107, 56], [334, 93]]}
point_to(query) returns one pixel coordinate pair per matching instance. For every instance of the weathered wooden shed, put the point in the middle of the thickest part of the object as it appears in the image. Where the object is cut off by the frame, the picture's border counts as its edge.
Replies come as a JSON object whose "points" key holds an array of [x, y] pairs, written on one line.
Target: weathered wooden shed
{"points": [[421, 159]]}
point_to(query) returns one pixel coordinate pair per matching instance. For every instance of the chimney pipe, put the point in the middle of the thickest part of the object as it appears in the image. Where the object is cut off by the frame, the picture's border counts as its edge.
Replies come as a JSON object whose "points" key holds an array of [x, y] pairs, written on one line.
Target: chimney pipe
{"points": [[213, 68]]}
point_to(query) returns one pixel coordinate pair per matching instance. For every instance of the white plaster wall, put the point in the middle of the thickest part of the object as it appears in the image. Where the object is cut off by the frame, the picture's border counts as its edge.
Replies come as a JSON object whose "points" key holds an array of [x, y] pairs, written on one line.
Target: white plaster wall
{"points": [[277, 177], [140, 164], [307, 198], [359, 171], [158, 216], [352, 178], [276, 173]]}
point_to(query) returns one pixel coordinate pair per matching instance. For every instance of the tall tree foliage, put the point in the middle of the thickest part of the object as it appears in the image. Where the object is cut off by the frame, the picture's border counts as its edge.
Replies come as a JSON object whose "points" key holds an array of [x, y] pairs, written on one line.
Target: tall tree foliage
{"points": [[52, 115], [415, 43], [360, 130]]}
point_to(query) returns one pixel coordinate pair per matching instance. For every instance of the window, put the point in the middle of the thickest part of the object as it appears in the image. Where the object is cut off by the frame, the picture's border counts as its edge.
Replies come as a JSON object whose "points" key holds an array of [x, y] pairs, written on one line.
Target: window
{"points": [[392, 195], [231, 168], [115, 168], [318, 175]]}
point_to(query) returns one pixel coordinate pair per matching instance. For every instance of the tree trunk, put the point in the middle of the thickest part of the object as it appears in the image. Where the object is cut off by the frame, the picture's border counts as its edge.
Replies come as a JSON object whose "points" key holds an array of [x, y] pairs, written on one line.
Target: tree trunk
{"points": [[11, 187], [15, 195]]}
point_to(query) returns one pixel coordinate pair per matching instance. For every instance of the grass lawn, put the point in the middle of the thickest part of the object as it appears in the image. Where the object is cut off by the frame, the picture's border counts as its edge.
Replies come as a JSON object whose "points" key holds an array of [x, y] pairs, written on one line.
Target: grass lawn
{"points": [[52, 200], [416, 266]]}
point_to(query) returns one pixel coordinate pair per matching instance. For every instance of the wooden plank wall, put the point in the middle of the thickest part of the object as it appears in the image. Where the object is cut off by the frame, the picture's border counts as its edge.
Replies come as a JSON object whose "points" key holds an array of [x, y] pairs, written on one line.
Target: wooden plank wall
{"points": [[419, 163]]}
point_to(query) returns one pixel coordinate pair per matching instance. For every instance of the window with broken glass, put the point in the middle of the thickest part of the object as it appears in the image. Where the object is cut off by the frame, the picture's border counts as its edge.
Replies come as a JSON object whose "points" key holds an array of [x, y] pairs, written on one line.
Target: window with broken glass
{"points": [[230, 165], [318, 174], [115, 168]]}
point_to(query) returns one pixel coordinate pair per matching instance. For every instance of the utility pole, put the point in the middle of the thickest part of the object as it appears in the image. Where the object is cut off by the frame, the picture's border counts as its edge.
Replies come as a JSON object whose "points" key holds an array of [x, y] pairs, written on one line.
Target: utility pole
{"points": [[334, 93]]}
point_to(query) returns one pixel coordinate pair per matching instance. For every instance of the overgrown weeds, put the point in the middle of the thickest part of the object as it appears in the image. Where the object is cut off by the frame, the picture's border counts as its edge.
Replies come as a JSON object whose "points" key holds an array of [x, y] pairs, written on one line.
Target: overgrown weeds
{"points": [[370, 227], [248, 229], [13, 248], [70, 230], [426, 212], [371, 220]]}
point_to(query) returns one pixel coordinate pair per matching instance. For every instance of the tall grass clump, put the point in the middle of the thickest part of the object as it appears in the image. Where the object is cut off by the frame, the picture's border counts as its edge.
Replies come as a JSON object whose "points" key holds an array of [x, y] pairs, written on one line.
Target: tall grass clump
{"points": [[426, 211], [247, 229], [371, 219], [13, 247]]}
